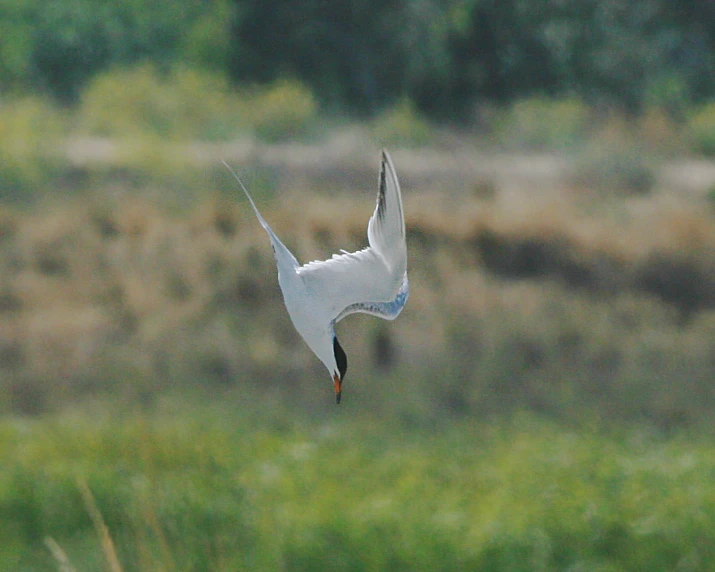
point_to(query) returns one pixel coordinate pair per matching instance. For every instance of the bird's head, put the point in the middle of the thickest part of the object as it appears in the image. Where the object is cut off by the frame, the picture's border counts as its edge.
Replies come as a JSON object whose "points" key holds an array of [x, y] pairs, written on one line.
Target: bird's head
{"points": [[327, 348], [341, 366]]}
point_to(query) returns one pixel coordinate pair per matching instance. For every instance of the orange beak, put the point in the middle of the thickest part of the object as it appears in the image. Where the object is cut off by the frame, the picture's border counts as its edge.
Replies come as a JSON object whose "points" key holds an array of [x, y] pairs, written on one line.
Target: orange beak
{"points": [[338, 387]]}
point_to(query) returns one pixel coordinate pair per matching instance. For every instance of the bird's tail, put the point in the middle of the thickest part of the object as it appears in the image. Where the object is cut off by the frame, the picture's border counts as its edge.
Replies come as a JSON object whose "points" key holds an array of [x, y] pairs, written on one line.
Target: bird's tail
{"points": [[282, 254], [263, 222]]}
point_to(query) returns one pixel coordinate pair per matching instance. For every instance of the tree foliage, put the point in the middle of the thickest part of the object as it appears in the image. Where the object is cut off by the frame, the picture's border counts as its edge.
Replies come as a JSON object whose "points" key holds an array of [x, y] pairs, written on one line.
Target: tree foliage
{"points": [[361, 55], [59, 46], [354, 53]]}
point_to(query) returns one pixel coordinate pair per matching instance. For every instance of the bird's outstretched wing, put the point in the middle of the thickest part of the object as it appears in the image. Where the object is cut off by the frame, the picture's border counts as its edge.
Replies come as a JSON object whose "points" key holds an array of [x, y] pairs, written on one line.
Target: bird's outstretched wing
{"points": [[386, 229], [372, 280]]}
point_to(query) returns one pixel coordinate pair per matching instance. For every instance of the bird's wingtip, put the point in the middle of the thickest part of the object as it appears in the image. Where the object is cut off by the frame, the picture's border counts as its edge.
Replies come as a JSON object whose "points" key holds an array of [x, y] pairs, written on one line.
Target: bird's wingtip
{"points": [[386, 161]]}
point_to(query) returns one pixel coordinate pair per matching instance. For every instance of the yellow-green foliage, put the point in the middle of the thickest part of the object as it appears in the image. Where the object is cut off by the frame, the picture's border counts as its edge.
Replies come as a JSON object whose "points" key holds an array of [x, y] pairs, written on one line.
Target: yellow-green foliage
{"points": [[281, 111], [185, 104], [701, 127], [215, 488], [541, 123], [401, 126], [31, 143]]}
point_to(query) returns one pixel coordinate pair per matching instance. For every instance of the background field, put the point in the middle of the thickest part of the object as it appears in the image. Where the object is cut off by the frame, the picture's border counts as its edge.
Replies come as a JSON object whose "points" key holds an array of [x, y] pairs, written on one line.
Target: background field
{"points": [[544, 402]]}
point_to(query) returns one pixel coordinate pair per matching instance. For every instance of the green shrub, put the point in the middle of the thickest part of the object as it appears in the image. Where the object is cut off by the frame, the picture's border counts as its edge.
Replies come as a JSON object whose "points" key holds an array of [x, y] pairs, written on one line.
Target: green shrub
{"points": [[402, 126], [540, 123], [31, 132], [185, 104], [284, 110], [701, 128]]}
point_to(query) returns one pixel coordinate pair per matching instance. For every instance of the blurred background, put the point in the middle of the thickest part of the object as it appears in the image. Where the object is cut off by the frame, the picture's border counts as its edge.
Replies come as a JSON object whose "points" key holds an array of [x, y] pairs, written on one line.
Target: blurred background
{"points": [[547, 393]]}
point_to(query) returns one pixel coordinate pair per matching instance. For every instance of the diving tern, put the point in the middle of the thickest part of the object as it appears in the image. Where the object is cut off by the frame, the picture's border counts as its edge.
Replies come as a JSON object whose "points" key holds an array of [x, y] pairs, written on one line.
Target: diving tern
{"points": [[373, 280]]}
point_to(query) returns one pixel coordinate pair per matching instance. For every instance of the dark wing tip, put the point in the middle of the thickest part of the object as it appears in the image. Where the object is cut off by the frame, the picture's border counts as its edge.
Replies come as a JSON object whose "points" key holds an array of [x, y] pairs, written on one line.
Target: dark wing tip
{"points": [[382, 187]]}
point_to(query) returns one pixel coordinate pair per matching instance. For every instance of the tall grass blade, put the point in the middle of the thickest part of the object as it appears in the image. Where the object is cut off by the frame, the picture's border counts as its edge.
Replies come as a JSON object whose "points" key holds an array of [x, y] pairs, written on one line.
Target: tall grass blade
{"points": [[108, 549]]}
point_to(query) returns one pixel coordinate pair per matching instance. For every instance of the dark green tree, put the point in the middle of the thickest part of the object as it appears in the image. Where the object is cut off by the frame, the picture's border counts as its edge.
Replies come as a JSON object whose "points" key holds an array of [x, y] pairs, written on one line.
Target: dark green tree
{"points": [[356, 54], [361, 55], [606, 51], [71, 41]]}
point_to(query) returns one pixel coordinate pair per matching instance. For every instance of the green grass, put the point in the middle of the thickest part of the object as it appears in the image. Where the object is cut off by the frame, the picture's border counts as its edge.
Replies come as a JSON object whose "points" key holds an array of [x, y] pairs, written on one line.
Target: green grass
{"points": [[203, 487], [402, 126]]}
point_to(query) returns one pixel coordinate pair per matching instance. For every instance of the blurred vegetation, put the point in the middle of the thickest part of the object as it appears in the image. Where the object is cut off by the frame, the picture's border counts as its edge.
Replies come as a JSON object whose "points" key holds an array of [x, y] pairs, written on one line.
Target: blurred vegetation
{"points": [[361, 56], [570, 302], [540, 124], [185, 104], [142, 271], [702, 130], [212, 489], [284, 111], [32, 133], [402, 126], [188, 105], [576, 283], [523, 74]]}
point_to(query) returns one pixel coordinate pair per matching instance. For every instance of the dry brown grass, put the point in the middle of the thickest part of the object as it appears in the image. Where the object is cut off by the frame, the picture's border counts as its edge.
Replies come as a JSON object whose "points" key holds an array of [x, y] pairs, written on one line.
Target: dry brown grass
{"points": [[526, 299]]}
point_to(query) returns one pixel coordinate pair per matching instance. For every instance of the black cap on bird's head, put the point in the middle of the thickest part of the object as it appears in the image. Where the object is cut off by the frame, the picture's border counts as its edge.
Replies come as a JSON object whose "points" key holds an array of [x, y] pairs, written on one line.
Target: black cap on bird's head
{"points": [[342, 360]]}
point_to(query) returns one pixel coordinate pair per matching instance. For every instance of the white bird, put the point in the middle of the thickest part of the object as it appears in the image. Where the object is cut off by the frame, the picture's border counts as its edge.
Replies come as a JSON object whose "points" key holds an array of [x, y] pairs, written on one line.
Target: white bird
{"points": [[374, 281]]}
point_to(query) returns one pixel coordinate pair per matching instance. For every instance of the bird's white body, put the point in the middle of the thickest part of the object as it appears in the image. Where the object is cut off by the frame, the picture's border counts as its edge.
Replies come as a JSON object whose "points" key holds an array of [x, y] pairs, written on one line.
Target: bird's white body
{"points": [[372, 280]]}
